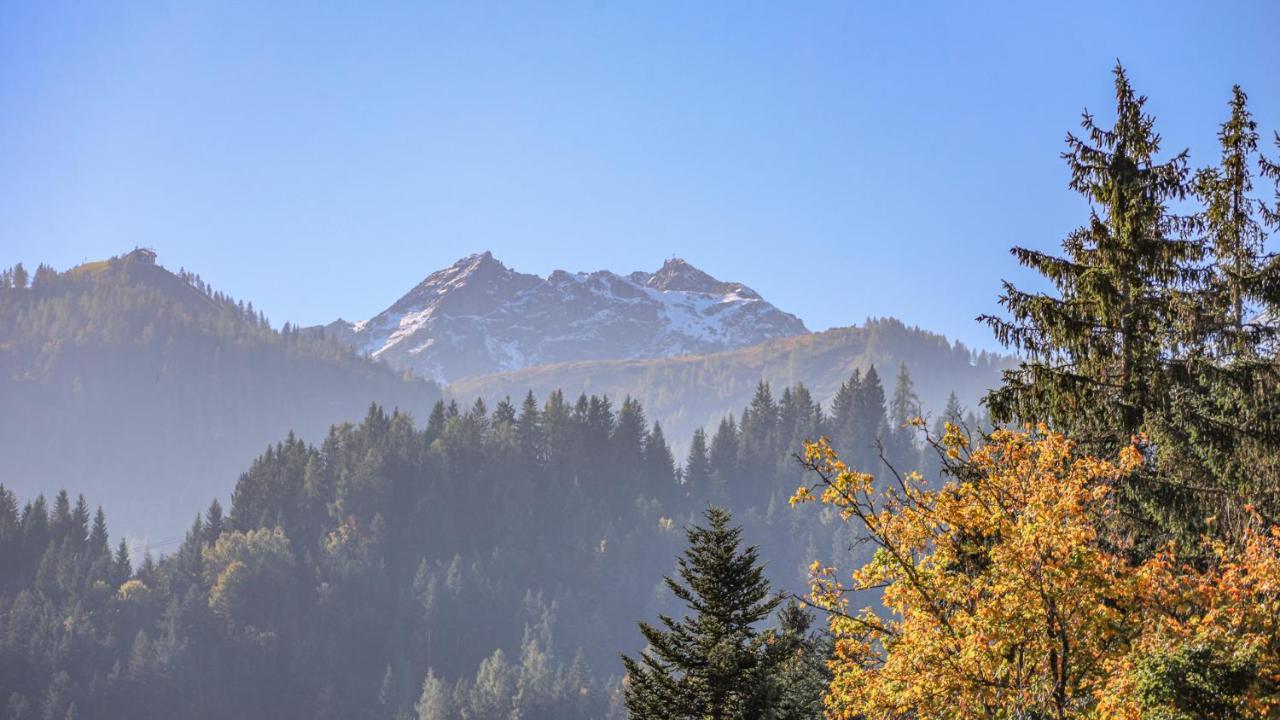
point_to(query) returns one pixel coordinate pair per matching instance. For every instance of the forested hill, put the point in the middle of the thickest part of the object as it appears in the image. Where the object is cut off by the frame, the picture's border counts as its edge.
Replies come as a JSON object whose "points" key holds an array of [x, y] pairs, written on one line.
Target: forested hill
{"points": [[488, 563], [150, 392], [693, 391]]}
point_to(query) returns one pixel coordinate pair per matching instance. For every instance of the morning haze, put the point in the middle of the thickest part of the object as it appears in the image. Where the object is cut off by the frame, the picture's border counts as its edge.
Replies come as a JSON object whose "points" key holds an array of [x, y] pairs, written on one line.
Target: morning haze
{"points": [[583, 362]]}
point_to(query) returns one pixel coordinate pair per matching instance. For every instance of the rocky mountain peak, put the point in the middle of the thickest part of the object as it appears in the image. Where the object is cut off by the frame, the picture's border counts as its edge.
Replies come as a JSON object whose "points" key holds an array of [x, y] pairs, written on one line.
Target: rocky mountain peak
{"points": [[677, 274], [479, 316]]}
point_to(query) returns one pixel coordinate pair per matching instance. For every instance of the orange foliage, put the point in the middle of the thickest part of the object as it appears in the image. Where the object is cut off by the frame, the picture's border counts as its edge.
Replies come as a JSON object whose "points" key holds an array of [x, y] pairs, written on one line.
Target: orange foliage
{"points": [[1005, 595]]}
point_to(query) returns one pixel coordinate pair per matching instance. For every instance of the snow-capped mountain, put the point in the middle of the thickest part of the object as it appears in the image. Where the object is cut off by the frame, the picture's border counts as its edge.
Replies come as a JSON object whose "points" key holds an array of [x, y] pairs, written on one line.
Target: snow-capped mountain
{"points": [[478, 316]]}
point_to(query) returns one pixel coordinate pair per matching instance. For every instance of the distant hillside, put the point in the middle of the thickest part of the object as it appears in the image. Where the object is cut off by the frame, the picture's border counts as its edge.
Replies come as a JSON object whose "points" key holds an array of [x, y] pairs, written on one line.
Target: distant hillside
{"points": [[147, 391], [479, 316], [696, 390]]}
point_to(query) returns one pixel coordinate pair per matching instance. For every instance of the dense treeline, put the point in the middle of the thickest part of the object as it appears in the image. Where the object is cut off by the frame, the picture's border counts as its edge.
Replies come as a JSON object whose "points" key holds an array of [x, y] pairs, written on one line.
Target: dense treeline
{"points": [[691, 391], [490, 563], [148, 389]]}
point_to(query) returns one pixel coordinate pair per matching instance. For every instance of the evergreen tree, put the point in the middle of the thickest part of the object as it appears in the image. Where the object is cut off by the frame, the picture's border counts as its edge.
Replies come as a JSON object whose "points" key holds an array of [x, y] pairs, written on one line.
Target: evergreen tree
{"points": [[697, 467], [60, 520], [98, 535], [870, 424], [659, 467], [213, 523], [435, 421], [433, 703], [122, 566], [843, 412], [802, 677], [932, 461], [712, 663], [760, 425], [802, 420], [1094, 350], [529, 429], [557, 431], [1222, 422], [758, 445], [1241, 278], [629, 433], [1106, 356], [724, 457], [902, 451], [80, 523], [504, 415]]}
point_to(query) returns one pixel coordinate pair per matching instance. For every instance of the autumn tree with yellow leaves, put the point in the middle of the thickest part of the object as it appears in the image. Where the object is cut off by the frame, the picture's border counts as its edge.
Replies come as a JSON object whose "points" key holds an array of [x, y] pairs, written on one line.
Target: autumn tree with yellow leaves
{"points": [[1006, 594]]}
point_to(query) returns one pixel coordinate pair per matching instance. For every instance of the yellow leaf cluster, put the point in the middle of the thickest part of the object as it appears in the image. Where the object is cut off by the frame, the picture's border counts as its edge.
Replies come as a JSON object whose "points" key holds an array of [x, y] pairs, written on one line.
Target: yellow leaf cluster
{"points": [[1004, 596]]}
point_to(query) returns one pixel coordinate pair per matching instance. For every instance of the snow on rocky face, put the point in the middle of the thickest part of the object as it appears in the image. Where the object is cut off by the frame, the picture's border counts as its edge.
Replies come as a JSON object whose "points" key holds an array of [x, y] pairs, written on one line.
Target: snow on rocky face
{"points": [[478, 316]]}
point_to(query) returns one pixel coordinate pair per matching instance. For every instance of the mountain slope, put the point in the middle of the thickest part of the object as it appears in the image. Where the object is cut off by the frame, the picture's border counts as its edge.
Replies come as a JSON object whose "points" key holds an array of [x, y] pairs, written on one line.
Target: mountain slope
{"points": [[685, 393], [147, 391], [478, 316]]}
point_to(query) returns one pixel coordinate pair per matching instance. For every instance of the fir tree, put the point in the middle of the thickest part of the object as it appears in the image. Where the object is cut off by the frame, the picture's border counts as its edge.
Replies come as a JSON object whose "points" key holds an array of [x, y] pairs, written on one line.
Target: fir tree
{"points": [[122, 566], [60, 520], [803, 677], [433, 703], [843, 411], [712, 663], [435, 421], [504, 415], [19, 277], [724, 456], [697, 467], [80, 523], [904, 406], [1094, 350], [659, 466], [1240, 274], [529, 431], [1222, 423], [213, 523], [870, 424], [629, 433], [98, 535]]}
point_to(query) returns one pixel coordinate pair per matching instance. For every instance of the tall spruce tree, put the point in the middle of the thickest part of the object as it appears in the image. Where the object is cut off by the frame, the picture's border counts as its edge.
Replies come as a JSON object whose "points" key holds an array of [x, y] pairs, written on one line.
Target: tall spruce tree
{"points": [[1155, 325], [697, 467], [843, 412], [1223, 428], [870, 423], [659, 477], [724, 457], [1094, 349], [905, 405], [713, 663], [1097, 353], [1240, 274]]}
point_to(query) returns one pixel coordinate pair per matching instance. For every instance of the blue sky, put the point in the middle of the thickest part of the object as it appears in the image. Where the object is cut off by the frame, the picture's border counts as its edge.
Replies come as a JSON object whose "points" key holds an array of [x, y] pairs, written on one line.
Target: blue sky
{"points": [[846, 159]]}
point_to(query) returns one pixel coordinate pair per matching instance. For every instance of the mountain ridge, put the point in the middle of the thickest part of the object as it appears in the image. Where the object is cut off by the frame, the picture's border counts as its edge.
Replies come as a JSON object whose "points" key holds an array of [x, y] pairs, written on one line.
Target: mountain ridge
{"points": [[478, 316], [149, 390]]}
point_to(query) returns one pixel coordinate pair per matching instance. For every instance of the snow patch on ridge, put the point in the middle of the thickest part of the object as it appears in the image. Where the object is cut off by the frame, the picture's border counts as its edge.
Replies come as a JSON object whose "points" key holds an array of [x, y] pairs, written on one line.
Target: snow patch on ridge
{"points": [[478, 316]]}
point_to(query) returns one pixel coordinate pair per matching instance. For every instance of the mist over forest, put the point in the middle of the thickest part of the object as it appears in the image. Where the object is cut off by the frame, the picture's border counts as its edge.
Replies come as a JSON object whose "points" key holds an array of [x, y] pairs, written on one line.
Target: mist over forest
{"points": [[433, 456]]}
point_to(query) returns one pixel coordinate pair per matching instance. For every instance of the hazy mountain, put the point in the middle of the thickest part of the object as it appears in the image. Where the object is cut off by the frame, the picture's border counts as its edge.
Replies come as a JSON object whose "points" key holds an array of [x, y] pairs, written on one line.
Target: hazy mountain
{"points": [[688, 392], [478, 316], [149, 392], [344, 571]]}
